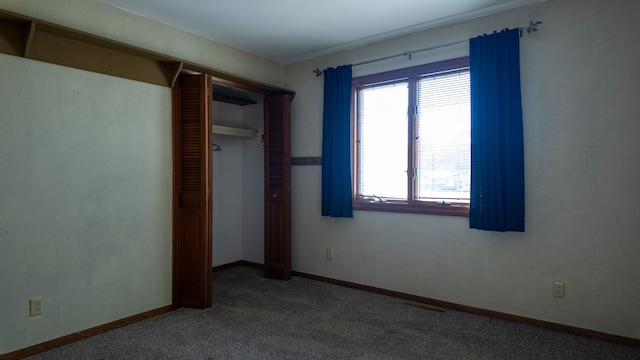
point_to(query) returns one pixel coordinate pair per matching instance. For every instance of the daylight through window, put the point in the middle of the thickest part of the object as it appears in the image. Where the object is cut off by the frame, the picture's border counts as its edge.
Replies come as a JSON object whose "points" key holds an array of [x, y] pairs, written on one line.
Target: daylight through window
{"points": [[412, 139]]}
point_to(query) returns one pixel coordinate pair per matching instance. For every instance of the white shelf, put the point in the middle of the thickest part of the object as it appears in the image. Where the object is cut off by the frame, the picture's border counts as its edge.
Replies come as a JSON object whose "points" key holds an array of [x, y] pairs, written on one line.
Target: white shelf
{"points": [[233, 131]]}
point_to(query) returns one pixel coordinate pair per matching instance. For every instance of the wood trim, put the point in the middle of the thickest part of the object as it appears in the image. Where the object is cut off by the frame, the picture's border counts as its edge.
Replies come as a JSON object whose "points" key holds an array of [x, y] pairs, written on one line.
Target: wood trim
{"points": [[80, 51], [236, 263], [238, 82], [226, 266], [404, 73], [591, 334], [80, 335], [175, 130], [12, 36], [253, 264], [309, 160], [29, 37], [226, 82], [207, 189], [30, 34], [415, 207], [409, 76]]}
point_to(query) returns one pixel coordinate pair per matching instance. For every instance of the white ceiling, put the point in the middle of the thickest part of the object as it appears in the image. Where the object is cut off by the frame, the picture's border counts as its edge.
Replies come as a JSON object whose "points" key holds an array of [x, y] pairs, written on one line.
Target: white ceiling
{"points": [[287, 31]]}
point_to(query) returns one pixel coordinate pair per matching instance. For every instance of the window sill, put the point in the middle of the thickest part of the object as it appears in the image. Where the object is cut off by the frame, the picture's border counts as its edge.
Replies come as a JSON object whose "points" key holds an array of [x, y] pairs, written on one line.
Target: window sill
{"points": [[430, 208]]}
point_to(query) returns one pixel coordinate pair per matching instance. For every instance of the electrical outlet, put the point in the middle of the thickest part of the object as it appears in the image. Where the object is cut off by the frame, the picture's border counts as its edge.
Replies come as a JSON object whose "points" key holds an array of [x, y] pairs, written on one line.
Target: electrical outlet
{"points": [[558, 289], [329, 253], [35, 306]]}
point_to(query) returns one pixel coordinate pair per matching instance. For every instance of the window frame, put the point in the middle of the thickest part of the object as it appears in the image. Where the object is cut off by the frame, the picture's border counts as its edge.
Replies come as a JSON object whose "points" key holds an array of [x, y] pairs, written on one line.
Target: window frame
{"points": [[411, 205]]}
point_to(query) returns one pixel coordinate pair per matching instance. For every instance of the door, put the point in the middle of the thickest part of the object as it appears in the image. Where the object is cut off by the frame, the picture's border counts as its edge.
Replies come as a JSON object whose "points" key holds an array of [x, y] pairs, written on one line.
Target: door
{"points": [[277, 167], [192, 191]]}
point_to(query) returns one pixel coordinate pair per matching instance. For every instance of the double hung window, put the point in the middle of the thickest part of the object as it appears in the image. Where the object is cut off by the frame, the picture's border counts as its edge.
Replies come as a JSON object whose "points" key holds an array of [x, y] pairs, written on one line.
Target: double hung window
{"points": [[412, 139]]}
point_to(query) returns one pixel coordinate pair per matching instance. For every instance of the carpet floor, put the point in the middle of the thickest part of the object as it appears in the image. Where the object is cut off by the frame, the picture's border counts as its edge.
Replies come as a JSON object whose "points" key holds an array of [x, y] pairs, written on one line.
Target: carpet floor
{"points": [[257, 318]]}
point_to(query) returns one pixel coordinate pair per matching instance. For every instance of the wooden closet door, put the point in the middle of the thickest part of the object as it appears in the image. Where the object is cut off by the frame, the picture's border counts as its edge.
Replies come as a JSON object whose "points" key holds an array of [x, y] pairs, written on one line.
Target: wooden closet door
{"points": [[277, 167], [192, 191]]}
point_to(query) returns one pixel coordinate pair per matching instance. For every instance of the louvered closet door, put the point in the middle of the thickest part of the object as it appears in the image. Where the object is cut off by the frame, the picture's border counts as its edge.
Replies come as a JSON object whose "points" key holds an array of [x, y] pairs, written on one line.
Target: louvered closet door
{"points": [[277, 252], [192, 191]]}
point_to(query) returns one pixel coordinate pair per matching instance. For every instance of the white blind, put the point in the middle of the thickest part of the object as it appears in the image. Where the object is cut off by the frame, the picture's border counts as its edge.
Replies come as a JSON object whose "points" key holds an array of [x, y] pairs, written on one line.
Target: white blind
{"points": [[382, 142], [443, 131]]}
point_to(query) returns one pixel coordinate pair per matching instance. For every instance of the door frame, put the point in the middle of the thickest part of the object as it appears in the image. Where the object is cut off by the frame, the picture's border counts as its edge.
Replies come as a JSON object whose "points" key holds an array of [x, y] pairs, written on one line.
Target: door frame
{"points": [[240, 84]]}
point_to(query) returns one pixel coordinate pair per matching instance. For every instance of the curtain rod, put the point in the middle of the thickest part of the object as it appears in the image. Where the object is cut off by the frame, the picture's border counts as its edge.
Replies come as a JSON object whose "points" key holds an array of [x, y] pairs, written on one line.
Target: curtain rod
{"points": [[533, 27]]}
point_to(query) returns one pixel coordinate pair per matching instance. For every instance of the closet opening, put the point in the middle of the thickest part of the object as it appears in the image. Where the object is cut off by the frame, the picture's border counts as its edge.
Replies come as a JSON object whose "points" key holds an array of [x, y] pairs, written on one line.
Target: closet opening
{"points": [[248, 178], [238, 176]]}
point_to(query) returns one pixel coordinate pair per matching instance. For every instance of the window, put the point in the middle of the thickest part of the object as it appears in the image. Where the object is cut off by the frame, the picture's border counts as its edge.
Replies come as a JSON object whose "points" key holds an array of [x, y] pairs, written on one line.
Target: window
{"points": [[412, 144]]}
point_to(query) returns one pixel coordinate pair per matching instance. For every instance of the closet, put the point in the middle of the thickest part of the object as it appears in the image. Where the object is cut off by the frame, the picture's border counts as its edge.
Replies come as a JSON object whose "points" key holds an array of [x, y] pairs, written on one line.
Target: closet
{"points": [[251, 180], [245, 187], [238, 189]]}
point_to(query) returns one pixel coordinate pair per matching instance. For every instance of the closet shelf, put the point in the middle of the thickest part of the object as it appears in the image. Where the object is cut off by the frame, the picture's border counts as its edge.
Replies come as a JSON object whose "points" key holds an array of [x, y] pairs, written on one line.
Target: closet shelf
{"points": [[233, 131]]}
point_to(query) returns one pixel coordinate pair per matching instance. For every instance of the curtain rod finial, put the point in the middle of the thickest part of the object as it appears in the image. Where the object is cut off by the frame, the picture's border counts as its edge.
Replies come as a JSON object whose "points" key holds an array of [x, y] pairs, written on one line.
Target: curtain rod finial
{"points": [[533, 26]]}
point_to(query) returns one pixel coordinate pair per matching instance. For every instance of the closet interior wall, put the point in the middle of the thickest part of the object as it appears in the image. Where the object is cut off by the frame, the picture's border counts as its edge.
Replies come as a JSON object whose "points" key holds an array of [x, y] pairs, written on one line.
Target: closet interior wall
{"points": [[238, 186]]}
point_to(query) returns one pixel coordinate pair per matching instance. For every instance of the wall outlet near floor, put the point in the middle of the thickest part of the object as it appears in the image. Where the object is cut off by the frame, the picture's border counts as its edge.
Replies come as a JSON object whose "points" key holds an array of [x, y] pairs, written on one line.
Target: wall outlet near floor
{"points": [[329, 253], [35, 306], [558, 289]]}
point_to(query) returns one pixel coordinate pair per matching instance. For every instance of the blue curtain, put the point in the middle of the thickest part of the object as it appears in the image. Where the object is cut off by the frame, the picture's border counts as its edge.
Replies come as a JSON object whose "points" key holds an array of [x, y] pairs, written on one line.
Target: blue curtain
{"points": [[497, 146], [336, 143]]}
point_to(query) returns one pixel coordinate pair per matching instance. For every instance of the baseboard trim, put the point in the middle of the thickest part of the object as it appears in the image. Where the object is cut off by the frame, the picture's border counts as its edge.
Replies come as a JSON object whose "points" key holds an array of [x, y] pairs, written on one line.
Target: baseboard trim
{"points": [[237, 263], [80, 335], [253, 264], [226, 266], [596, 335]]}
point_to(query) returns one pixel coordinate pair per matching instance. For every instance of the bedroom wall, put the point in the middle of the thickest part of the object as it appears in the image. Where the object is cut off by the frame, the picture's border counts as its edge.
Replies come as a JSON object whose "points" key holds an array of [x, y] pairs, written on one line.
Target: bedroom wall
{"points": [[85, 176], [579, 88], [85, 199]]}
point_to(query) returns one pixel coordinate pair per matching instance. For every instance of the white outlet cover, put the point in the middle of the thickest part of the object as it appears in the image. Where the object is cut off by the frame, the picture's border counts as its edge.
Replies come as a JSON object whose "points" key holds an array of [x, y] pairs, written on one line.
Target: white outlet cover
{"points": [[558, 289], [35, 306]]}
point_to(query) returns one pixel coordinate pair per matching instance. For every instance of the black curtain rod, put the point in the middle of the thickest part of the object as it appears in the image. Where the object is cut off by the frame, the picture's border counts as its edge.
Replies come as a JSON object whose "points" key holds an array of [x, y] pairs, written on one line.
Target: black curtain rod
{"points": [[533, 27]]}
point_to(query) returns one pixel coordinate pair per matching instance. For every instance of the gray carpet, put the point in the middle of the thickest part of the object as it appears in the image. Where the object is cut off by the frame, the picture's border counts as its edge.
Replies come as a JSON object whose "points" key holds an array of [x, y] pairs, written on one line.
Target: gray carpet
{"points": [[257, 318]]}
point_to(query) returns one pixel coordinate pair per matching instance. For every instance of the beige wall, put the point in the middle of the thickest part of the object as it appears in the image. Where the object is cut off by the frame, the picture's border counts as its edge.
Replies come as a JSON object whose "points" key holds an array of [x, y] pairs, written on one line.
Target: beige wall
{"points": [[581, 129], [75, 229], [85, 177], [85, 199]]}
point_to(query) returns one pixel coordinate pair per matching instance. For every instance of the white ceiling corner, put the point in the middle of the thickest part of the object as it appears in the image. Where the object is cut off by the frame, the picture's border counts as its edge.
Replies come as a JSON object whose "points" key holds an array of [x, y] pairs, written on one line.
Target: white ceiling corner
{"points": [[288, 31]]}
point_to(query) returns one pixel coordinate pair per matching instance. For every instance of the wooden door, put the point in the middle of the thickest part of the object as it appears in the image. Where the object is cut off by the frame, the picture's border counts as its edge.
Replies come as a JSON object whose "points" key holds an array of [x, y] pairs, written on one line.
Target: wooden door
{"points": [[277, 167], [192, 191]]}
